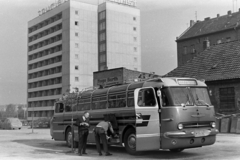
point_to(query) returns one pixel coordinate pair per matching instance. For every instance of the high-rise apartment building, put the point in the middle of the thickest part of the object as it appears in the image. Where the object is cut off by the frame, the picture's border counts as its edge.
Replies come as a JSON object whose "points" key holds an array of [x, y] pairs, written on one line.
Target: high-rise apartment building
{"points": [[70, 40], [119, 37]]}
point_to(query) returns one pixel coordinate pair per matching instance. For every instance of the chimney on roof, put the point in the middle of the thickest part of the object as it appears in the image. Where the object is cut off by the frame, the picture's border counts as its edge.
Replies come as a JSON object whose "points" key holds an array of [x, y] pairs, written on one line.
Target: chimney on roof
{"points": [[229, 12], [191, 23], [207, 18], [206, 44], [218, 15]]}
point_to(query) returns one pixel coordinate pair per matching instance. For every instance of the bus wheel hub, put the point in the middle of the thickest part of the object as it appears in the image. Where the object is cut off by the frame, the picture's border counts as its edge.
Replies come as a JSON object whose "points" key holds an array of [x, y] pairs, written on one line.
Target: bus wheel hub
{"points": [[132, 141]]}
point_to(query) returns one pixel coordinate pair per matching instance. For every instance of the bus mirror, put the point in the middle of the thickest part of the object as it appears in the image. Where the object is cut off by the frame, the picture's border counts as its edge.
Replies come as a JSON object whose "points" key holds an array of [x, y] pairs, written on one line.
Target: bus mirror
{"points": [[159, 94]]}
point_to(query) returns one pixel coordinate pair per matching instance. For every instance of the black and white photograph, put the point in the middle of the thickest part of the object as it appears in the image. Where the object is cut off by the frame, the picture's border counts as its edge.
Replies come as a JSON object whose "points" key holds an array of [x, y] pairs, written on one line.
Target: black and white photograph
{"points": [[120, 79]]}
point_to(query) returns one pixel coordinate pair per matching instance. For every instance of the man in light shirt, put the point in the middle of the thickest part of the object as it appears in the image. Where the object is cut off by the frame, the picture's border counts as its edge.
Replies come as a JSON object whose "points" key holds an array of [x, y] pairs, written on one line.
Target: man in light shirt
{"points": [[101, 133]]}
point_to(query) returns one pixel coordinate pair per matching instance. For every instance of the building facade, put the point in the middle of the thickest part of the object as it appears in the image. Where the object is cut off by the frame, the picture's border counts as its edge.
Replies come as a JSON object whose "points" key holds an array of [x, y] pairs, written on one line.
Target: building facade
{"points": [[203, 34], [65, 48], [119, 36]]}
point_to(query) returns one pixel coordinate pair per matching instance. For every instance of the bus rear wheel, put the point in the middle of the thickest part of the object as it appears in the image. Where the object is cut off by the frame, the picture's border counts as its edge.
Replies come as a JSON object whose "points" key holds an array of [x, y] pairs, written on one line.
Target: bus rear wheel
{"points": [[176, 150], [130, 141], [69, 139]]}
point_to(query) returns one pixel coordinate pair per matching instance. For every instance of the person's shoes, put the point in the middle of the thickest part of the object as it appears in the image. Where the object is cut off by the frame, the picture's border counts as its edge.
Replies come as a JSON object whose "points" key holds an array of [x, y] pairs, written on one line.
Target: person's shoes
{"points": [[100, 154], [84, 153], [108, 154]]}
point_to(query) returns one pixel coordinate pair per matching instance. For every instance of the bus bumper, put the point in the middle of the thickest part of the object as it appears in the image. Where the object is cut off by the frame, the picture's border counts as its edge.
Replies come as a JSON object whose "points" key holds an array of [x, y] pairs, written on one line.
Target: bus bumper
{"points": [[191, 133]]}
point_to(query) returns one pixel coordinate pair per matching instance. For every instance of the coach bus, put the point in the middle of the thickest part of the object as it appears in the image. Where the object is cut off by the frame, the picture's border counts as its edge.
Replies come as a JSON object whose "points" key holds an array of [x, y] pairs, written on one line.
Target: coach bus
{"points": [[156, 114]]}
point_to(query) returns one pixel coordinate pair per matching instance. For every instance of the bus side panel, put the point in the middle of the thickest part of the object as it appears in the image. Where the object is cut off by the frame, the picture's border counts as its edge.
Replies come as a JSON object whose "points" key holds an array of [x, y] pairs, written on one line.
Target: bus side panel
{"points": [[124, 117]]}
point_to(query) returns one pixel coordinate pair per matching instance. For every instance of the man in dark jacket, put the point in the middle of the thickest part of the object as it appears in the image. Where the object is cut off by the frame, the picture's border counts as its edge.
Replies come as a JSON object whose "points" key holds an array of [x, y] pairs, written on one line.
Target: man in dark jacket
{"points": [[83, 129], [101, 133]]}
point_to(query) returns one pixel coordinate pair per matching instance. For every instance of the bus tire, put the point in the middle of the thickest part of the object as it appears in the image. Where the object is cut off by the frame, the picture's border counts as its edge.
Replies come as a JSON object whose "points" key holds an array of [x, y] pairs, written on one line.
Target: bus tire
{"points": [[130, 141], [69, 139], [177, 150]]}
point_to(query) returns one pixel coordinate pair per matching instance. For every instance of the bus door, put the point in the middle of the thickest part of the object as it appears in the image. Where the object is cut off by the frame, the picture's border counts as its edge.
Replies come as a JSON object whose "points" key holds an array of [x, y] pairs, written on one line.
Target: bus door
{"points": [[57, 122], [147, 120]]}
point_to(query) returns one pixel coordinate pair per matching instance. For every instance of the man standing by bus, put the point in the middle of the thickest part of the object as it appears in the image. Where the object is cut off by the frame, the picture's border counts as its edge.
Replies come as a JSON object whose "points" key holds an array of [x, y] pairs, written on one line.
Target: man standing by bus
{"points": [[83, 130], [101, 133]]}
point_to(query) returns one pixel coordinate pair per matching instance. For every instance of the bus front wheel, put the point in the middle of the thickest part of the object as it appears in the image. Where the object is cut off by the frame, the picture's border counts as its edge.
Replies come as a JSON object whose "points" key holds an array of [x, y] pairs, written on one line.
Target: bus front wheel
{"points": [[176, 150], [130, 141]]}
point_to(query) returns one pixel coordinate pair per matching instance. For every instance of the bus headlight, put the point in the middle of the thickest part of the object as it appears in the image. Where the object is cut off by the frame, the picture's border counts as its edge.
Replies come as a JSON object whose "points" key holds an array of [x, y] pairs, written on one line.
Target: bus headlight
{"points": [[180, 126], [213, 124]]}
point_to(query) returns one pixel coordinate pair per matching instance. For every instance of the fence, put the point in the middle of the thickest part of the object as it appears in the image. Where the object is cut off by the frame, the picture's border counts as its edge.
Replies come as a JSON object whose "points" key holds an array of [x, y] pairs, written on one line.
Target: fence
{"points": [[228, 123]]}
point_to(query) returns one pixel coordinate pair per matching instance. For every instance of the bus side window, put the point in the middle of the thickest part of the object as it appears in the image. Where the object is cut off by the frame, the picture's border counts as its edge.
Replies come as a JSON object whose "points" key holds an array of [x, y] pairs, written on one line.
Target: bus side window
{"points": [[130, 99], [146, 97], [68, 108], [59, 108], [165, 101]]}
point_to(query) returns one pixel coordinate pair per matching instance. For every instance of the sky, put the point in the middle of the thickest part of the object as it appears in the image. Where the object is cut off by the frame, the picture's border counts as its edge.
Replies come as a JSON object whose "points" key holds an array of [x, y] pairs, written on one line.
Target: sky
{"points": [[161, 22]]}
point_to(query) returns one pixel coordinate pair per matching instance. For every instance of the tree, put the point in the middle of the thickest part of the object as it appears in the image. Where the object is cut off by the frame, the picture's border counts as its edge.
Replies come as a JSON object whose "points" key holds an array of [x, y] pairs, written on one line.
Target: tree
{"points": [[21, 111], [11, 110]]}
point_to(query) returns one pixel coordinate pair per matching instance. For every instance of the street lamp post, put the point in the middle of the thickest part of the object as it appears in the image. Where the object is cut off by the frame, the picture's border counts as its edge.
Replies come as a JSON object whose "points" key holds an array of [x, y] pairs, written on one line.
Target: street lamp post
{"points": [[32, 118], [72, 123]]}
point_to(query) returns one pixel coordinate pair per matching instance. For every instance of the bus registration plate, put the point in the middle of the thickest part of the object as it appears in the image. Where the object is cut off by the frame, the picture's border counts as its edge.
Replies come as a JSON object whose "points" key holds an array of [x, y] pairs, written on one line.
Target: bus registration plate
{"points": [[201, 133]]}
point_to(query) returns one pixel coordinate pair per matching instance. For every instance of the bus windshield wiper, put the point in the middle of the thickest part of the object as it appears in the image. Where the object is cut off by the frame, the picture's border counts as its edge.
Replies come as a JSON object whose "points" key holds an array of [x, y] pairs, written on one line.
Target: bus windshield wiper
{"points": [[186, 103]]}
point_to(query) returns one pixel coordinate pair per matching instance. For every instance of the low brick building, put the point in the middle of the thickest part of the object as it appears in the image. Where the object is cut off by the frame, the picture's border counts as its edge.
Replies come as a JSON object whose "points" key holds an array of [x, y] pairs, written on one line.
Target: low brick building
{"points": [[209, 32], [219, 66]]}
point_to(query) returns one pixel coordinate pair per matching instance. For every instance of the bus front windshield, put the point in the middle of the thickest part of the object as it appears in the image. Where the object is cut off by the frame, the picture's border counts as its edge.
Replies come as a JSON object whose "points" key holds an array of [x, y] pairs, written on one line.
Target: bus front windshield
{"points": [[185, 96]]}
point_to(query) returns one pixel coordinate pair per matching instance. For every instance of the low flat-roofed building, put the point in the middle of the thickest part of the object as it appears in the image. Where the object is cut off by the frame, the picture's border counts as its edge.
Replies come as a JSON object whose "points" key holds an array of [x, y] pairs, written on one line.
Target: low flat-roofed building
{"points": [[118, 76]]}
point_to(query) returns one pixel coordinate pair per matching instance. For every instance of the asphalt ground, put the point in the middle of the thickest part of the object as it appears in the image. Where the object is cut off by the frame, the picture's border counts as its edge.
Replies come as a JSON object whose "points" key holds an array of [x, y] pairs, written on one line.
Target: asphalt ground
{"points": [[25, 145]]}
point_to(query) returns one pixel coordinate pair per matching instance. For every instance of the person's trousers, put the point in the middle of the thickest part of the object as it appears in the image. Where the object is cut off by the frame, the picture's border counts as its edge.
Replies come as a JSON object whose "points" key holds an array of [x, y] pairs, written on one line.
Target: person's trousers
{"points": [[100, 134], [82, 141]]}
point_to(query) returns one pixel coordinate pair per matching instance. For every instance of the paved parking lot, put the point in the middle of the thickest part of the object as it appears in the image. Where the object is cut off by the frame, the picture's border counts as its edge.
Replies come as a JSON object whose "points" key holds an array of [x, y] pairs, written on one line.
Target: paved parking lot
{"points": [[25, 145]]}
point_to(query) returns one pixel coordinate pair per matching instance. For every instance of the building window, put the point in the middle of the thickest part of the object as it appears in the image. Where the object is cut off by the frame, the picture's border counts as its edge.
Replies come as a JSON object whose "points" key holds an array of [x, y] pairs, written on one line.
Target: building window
{"points": [[76, 67], [102, 36], [102, 15], [227, 99], [102, 67], [102, 58], [193, 48], [76, 23], [76, 34], [135, 28], [135, 59], [76, 56], [135, 39], [102, 26], [102, 47], [185, 50], [76, 45], [76, 79], [134, 18], [135, 49], [76, 12], [228, 39]]}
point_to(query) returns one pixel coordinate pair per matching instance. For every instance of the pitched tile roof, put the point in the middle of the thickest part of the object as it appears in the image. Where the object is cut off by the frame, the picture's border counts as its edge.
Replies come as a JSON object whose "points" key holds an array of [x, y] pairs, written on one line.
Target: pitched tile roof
{"points": [[219, 62], [212, 25]]}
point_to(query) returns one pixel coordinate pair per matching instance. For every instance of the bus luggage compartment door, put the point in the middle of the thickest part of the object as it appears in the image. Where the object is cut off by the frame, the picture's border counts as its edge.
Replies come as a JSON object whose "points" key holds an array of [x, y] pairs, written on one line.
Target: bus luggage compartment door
{"points": [[147, 120]]}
